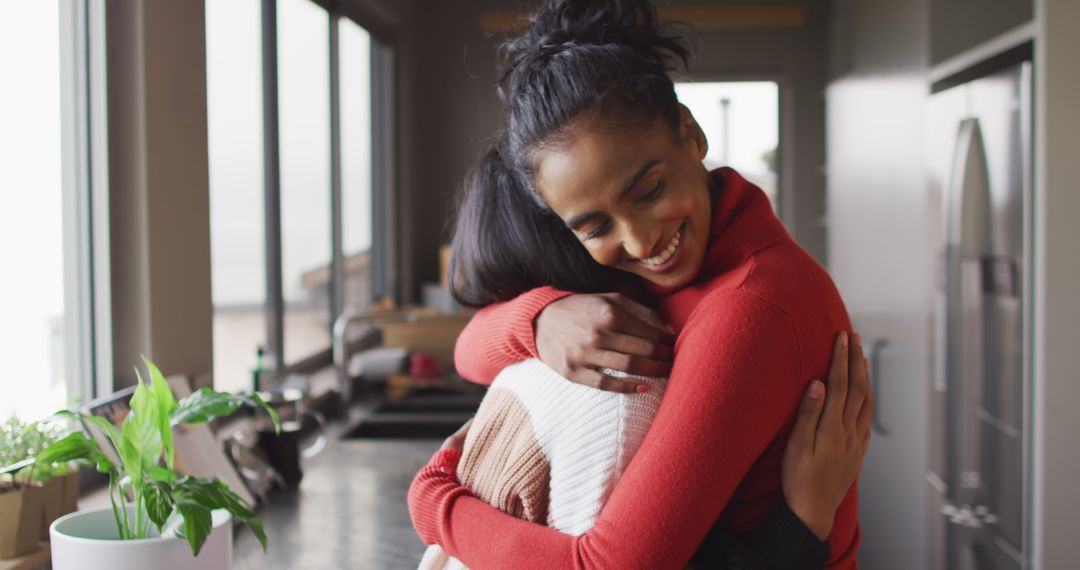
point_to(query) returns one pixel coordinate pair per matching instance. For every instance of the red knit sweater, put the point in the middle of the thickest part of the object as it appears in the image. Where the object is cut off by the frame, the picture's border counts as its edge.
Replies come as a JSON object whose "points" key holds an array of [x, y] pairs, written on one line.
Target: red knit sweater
{"points": [[754, 327]]}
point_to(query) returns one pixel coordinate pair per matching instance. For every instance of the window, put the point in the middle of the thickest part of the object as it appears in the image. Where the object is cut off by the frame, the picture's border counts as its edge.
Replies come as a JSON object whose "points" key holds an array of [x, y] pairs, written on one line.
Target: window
{"points": [[356, 161], [237, 228], [46, 339], [741, 120], [304, 111], [245, 308]]}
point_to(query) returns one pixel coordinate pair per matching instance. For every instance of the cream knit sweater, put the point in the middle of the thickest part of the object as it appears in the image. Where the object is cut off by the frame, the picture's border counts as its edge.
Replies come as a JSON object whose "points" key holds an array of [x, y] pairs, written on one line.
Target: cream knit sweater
{"points": [[546, 450]]}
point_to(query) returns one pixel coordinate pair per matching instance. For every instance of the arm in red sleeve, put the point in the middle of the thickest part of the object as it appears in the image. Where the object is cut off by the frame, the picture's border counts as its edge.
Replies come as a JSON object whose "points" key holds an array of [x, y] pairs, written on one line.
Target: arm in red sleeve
{"points": [[501, 335], [734, 386]]}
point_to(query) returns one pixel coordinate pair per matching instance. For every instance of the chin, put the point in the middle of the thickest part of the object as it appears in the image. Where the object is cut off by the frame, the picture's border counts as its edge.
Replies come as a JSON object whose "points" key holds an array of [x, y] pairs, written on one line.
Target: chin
{"points": [[669, 281]]}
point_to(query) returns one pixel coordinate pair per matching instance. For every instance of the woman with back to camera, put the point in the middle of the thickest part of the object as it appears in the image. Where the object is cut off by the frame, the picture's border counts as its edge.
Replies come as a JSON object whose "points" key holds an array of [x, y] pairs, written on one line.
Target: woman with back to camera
{"points": [[598, 139]]}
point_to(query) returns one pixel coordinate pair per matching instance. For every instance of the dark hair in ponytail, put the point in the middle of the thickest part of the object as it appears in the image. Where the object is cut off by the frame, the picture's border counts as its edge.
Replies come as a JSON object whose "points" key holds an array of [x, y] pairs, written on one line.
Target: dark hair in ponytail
{"points": [[577, 58]]}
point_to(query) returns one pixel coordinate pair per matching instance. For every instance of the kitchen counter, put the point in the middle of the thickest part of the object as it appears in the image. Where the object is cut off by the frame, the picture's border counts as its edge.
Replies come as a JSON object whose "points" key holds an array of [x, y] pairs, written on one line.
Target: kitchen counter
{"points": [[349, 511]]}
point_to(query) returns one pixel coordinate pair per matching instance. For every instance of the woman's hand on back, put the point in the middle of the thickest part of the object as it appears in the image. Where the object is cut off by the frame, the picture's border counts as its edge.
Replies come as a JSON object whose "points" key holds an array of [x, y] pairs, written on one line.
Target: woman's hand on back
{"points": [[579, 335], [830, 438]]}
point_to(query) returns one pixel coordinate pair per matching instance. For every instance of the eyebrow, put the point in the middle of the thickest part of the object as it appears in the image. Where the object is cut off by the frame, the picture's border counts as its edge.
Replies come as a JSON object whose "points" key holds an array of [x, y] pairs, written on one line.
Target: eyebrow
{"points": [[578, 219]]}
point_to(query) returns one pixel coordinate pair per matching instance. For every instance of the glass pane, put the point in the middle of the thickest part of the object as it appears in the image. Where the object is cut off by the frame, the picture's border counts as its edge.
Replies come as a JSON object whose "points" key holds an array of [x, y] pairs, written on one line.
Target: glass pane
{"points": [[741, 121], [234, 108], [304, 99], [355, 46], [33, 343]]}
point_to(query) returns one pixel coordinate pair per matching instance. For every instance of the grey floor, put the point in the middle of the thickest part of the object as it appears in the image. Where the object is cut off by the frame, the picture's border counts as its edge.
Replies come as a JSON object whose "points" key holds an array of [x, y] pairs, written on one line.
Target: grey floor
{"points": [[349, 512]]}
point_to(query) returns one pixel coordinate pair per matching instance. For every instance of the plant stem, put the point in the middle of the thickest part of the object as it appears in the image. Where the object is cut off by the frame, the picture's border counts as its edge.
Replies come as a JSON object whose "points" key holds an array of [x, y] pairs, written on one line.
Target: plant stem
{"points": [[115, 509], [127, 523]]}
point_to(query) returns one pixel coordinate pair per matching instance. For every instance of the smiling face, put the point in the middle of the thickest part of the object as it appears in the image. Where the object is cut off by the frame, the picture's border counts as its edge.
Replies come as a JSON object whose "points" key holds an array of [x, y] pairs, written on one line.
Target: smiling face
{"points": [[638, 199]]}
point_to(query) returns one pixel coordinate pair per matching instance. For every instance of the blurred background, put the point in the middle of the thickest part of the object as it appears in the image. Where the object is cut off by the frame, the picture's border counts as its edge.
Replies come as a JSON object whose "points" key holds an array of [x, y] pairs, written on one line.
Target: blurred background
{"points": [[256, 194]]}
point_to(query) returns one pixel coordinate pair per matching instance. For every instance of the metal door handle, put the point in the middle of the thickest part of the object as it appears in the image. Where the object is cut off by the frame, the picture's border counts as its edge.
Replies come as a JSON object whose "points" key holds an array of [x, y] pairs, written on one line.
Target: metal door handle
{"points": [[875, 385]]}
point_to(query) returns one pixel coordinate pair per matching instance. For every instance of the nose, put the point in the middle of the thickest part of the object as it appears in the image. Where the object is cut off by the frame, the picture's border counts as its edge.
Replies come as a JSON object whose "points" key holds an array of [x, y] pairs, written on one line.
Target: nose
{"points": [[639, 239]]}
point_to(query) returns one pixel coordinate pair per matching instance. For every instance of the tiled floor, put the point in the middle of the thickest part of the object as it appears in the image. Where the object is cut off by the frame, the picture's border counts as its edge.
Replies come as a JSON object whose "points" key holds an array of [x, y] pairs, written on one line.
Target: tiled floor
{"points": [[349, 512]]}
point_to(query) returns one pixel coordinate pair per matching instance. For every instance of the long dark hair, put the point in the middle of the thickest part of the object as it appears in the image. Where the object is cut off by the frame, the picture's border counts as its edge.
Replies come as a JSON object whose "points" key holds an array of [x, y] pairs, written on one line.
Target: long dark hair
{"points": [[577, 58]]}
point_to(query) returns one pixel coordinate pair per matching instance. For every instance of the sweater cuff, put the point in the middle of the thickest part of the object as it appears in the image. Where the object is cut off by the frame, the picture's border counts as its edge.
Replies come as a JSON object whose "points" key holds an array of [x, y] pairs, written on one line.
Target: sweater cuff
{"points": [[432, 494], [527, 307], [784, 541]]}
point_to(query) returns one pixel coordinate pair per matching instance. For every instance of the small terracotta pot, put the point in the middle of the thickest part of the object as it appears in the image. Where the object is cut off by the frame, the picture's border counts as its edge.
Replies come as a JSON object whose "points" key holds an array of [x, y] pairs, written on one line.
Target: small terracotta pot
{"points": [[20, 520]]}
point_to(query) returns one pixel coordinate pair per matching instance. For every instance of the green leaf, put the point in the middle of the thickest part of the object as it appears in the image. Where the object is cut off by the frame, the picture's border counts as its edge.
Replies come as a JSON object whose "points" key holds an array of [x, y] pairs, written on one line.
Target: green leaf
{"points": [[166, 403], [159, 502], [203, 405], [161, 474], [269, 411], [76, 446], [256, 526], [106, 426], [241, 512], [218, 495], [197, 523], [141, 444]]}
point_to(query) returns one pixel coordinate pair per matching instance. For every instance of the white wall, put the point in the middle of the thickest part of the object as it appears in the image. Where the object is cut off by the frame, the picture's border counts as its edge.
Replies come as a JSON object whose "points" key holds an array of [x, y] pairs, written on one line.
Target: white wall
{"points": [[1057, 267], [876, 199]]}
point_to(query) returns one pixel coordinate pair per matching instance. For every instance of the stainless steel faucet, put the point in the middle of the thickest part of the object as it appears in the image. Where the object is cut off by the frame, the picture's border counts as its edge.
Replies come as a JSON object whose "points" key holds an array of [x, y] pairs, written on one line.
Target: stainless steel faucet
{"points": [[342, 351]]}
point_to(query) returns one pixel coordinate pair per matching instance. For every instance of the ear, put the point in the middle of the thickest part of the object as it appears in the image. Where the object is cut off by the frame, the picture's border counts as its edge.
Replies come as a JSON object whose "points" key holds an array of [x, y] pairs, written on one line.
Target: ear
{"points": [[690, 133]]}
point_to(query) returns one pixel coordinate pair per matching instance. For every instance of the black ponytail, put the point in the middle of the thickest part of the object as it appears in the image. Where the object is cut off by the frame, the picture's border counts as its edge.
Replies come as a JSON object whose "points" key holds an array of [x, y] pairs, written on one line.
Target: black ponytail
{"points": [[505, 242]]}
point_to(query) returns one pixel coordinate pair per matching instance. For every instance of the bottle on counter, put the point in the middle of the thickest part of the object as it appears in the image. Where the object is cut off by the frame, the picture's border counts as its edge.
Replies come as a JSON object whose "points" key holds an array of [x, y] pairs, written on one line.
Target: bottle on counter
{"points": [[260, 374]]}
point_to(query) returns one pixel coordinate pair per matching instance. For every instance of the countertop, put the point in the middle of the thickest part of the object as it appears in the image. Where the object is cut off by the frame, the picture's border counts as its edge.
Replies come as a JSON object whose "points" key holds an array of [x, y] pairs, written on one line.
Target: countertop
{"points": [[349, 511]]}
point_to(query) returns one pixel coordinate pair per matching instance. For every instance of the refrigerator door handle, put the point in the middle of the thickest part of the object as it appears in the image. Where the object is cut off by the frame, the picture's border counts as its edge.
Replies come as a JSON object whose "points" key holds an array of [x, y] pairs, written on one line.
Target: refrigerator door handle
{"points": [[875, 386]]}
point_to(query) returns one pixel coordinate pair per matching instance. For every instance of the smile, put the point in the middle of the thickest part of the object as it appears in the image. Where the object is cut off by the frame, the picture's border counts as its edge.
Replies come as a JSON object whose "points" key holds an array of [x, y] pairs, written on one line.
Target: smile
{"points": [[660, 260]]}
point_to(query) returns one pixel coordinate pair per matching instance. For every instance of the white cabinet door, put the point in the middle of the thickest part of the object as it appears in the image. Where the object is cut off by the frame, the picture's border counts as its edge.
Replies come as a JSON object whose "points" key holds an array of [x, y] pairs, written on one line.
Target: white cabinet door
{"points": [[878, 242]]}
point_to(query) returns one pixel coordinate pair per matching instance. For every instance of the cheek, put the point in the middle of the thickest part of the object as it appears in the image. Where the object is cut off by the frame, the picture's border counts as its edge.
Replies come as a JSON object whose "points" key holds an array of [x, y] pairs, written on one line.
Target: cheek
{"points": [[605, 252]]}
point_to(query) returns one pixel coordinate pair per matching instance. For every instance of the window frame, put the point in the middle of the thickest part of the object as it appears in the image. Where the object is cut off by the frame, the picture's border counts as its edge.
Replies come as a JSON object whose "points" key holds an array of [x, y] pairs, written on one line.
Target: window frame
{"points": [[384, 247], [87, 298], [785, 195]]}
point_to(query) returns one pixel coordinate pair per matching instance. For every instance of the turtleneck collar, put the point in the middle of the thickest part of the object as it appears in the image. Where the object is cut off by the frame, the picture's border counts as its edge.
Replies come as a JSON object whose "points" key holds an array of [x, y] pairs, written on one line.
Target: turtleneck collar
{"points": [[743, 222]]}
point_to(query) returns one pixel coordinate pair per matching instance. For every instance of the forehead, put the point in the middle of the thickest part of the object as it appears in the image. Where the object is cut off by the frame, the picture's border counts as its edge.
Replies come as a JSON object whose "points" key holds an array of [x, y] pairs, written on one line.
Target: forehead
{"points": [[591, 166]]}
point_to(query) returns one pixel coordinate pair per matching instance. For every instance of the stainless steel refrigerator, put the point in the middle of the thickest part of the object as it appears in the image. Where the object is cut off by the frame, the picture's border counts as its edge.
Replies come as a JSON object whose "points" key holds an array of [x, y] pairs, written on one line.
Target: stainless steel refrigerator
{"points": [[979, 144]]}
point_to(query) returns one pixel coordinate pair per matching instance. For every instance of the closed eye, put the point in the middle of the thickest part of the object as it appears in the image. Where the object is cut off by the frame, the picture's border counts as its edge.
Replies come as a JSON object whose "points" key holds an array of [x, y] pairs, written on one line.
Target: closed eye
{"points": [[653, 194], [599, 230]]}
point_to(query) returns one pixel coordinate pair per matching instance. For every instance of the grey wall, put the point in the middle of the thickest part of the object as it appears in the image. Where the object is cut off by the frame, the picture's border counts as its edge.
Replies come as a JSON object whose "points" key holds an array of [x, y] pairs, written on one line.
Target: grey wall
{"points": [[956, 25], [1057, 279], [158, 187]]}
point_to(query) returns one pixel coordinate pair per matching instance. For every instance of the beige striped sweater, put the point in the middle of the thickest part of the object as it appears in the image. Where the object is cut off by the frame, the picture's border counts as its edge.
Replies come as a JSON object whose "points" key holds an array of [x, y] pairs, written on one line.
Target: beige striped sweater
{"points": [[546, 450]]}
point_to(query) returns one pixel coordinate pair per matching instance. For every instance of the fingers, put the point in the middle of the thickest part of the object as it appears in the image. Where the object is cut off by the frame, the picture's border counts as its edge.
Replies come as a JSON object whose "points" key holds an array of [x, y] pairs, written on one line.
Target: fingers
{"points": [[637, 346], [864, 422], [858, 383], [631, 364], [643, 314], [595, 379], [837, 385], [628, 324], [806, 422]]}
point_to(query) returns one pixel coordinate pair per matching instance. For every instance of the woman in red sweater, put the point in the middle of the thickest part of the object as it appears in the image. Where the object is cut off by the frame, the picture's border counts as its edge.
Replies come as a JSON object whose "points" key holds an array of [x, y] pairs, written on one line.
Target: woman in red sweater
{"points": [[601, 144]]}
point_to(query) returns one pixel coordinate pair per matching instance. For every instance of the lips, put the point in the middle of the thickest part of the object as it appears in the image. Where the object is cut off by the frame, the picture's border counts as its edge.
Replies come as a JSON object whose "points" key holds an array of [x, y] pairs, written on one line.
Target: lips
{"points": [[666, 255]]}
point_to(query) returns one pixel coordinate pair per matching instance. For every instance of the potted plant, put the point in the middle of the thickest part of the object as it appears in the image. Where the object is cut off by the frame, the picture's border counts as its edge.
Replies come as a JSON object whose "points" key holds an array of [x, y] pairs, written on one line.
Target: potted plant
{"points": [[20, 500], [172, 521], [21, 441]]}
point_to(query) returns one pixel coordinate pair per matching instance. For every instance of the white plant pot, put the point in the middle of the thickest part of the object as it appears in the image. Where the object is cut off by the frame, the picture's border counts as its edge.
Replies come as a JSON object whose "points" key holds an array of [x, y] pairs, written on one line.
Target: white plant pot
{"points": [[88, 540]]}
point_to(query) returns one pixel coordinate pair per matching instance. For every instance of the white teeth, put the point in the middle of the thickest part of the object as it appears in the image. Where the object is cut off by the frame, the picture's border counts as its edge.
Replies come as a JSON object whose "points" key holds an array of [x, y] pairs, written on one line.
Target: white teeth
{"points": [[666, 254]]}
